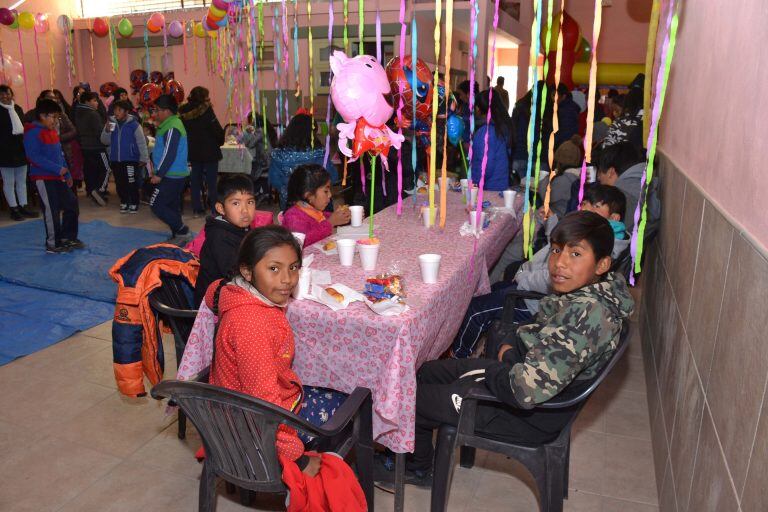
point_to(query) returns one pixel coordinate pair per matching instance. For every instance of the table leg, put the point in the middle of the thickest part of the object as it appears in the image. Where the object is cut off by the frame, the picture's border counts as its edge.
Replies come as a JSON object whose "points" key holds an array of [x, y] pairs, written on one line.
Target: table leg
{"points": [[399, 482]]}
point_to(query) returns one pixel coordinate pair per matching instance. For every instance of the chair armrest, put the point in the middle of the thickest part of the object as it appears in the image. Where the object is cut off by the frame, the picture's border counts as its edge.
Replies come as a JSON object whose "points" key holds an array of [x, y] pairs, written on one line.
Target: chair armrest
{"points": [[481, 394], [525, 294], [203, 375], [166, 310], [346, 412]]}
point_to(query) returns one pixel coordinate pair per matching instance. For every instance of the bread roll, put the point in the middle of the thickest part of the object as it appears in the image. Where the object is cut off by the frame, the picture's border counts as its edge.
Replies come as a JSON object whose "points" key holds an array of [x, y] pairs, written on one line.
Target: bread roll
{"points": [[335, 295]]}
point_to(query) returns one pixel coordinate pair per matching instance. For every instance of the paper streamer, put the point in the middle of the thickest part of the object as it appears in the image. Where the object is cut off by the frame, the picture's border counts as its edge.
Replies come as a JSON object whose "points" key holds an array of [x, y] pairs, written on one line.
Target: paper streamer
{"points": [[400, 112], [90, 41], [361, 25], [555, 120], [444, 173], [2, 64], [474, 10], [296, 48], [311, 75], [37, 56], [184, 43], [146, 49], [433, 128], [346, 23], [529, 216], [414, 87], [277, 57], [252, 71], [650, 55], [328, 106], [373, 193], [641, 216], [113, 48], [23, 70], [286, 63], [533, 74], [591, 96], [51, 60], [378, 33]]}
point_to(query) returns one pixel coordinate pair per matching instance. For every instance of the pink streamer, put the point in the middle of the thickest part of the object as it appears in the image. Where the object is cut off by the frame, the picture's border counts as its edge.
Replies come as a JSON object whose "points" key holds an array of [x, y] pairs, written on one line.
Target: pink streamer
{"points": [[275, 68], [473, 46], [378, 33], [400, 113], [2, 64], [39, 68], [23, 70], [286, 64], [328, 110], [184, 40]]}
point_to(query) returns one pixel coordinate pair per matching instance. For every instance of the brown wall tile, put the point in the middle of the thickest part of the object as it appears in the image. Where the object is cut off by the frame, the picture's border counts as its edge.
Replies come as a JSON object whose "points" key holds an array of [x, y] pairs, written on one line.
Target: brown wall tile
{"points": [[708, 283], [712, 490], [740, 361], [681, 269], [673, 184], [754, 495], [667, 501], [671, 357]]}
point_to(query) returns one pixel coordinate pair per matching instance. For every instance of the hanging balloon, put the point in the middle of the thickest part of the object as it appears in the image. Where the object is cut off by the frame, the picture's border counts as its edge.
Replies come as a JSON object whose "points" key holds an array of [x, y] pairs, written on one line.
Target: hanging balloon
{"points": [[401, 76], [139, 77], [156, 77], [156, 23], [26, 20], [6, 16], [15, 24], [199, 30], [169, 76], [41, 23], [209, 24], [222, 22], [454, 127], [148, 94], [175, 29], [212, 34], [175, 89], [222, 5], [64, 23], [125, 27], [100, 27], [106, 89], [215, 13]]}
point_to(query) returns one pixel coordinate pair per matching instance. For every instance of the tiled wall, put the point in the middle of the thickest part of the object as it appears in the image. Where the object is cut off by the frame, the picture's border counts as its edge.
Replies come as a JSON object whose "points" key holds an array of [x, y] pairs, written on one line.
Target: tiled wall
{"points": [[705, 345]]}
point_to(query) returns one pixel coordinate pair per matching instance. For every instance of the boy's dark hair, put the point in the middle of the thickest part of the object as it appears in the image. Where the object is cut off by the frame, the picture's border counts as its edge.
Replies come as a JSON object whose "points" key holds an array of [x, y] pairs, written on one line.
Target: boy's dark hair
{"points": [[609, 195], [587, 226], [260, 240], [44, 107], [117, 92], [620, 156], [305, 180], [231, 184], [88, 96], [123, 104], [167, 102]]}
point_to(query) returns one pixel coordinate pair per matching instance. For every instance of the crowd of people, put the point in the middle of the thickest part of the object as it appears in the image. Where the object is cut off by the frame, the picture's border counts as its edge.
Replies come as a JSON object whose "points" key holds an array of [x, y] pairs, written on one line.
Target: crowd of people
{"points": [[248, 268]]}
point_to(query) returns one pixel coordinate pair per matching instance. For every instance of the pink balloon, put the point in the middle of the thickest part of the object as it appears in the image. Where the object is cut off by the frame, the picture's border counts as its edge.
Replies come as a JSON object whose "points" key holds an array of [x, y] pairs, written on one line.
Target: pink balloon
{"points": [[41, 23], [176, 29], [359, 89], [222, 5], [6, 16], [158, 20]]}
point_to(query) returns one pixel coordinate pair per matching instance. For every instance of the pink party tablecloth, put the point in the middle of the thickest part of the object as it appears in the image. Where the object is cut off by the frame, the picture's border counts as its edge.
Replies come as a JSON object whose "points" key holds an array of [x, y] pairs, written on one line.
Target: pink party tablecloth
{"points": [[356, 347]]}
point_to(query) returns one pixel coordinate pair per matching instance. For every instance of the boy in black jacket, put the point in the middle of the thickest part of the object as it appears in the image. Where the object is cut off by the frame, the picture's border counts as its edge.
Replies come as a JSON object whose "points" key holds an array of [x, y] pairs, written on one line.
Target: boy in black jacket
{"points": [[236, 207]]}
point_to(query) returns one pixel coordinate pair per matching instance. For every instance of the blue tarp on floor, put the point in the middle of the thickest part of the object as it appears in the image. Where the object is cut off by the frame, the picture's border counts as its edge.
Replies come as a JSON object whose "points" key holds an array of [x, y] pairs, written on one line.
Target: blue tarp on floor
{"points": [[45, 298]]}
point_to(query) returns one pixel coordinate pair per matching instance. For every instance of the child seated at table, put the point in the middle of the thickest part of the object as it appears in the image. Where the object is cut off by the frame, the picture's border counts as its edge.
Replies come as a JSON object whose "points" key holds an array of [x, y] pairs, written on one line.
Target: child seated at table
{"points": [[254, 346], [309, 194], [236, 208], [572, 337], [533, 275]]}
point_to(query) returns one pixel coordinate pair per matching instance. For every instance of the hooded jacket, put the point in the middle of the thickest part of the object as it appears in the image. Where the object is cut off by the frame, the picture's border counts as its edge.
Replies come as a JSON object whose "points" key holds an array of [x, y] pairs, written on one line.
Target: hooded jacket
{"points": [[285, 160], [126, 142], [254, 351], [219, 253], [169, 155], [12, 154], [89, 125], [629, 183], [570, 340], [497, 168], [204, 132], [44, 153]]}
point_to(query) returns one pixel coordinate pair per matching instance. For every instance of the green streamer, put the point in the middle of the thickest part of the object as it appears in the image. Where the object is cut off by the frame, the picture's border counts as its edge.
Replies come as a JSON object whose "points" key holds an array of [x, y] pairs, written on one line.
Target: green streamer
{"points": [[346, 22], [372, 189], [361, 24]]}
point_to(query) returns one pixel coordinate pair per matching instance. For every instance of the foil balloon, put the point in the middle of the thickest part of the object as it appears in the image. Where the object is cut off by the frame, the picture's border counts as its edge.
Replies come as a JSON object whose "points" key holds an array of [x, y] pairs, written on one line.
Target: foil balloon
{"points": [[106, 89], [360, 91], [138, 78], [148, 94], [41, 23], [125, 27], [64, 23], [454, 127], [6, 16], [176, 29], [156, 77], [402, 76], [175, 89], [100, 27]]}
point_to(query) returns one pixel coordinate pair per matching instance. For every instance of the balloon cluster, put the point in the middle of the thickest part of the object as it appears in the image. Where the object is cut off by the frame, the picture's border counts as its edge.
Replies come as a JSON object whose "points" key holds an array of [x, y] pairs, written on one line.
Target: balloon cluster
{"points": [[150, 86], [13, 71], [138, 78], [216, 17], [360, 92], [403, 76], [26, 20], [107, 89]]}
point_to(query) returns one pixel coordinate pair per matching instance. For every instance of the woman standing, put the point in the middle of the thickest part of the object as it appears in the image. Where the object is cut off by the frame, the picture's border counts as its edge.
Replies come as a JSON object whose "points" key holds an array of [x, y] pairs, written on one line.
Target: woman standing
{"points": [[13, 159], [205, 137], [499, 134]]}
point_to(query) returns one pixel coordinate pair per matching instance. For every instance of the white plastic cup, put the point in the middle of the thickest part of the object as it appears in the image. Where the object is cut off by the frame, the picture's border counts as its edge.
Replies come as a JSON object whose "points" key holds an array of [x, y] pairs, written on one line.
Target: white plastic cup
{"points": [[430, 267], [425, 216], [509, 199], [464, 186], [473, 221], [346, 248], [369, 254], [300, 237], [591, 173], [356, 212], [112, 126], [473, 196]]}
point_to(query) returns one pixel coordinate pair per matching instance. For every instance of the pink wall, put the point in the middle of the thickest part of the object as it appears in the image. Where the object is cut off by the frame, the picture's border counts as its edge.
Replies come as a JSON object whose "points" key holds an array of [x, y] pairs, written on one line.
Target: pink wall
{"points": [[715, 119]]}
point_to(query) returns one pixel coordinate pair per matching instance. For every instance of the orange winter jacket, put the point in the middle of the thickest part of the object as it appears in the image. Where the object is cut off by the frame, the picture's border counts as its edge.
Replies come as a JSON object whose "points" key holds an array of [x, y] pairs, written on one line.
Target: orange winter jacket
{"points": [[135, 348]]}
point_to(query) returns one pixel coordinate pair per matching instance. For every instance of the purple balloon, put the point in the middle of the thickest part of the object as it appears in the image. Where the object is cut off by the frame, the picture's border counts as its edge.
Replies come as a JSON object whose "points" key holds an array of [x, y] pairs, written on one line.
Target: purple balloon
{"points": [[6, 16], [176, 29]]}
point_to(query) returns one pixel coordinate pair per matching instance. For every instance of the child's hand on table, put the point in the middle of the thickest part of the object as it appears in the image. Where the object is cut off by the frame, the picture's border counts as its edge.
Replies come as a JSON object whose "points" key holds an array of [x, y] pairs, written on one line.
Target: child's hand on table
{"points": [[340, 216]]}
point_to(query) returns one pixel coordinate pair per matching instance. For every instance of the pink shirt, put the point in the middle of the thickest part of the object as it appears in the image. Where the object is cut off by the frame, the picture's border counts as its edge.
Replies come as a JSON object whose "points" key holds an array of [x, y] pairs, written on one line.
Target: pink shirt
{"points": [[294, 219]]}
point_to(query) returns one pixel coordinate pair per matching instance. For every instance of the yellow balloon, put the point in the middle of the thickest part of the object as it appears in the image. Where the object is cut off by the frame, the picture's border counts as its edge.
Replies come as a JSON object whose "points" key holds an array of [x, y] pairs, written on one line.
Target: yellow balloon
{"points": [[216, 13], [213, 34], [26, 20], [199, 30]]}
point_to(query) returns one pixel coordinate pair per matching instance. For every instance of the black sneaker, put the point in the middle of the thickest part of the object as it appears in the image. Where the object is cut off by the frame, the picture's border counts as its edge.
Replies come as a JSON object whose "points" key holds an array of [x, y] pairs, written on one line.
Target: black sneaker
{"points": [[73, 244], [16, 214], [97, 198], [134, 208], [123, 208], [57, 250], [28, 214], [384, 475]]}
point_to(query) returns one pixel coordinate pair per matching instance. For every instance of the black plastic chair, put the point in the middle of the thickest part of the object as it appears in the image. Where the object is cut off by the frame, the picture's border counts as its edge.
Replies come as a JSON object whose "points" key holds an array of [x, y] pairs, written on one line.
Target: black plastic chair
{"points": [[548, 463], [238, 433], [171, 303]]}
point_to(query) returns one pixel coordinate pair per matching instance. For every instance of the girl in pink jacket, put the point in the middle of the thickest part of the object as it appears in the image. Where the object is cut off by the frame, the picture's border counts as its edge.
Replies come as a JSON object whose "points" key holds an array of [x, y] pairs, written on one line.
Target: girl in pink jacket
{"points": [[309, 193]]}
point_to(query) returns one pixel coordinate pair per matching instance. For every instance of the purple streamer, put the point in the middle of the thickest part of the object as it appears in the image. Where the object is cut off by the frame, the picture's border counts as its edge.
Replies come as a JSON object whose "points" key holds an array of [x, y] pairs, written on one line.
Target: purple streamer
{"points": [[400, 113], [328, 111]]}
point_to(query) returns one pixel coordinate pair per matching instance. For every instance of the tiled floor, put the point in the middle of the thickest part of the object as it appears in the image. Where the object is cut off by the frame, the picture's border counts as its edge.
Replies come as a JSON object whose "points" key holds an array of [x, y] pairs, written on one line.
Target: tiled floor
{"points": [[71, 443]]}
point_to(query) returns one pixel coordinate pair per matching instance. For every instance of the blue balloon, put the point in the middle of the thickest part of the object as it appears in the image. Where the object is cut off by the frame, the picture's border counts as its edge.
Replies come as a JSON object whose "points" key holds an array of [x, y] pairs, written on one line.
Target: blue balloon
{"points": [[222, 22], [455, 129]]}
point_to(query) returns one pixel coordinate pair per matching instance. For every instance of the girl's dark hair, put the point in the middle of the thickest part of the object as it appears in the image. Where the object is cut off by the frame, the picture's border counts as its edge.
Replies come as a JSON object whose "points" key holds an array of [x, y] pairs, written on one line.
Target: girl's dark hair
{"points": [[198, 95], [44, 93], [304, 180], [298, 134], [499, 116], [587, 226], [271, 132], [67, 106], [76, 88], [260, 240]]}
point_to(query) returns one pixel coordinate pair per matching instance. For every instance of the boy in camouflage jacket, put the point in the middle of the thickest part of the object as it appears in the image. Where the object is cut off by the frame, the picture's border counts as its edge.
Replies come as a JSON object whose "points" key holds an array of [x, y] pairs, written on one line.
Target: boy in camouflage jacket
{"points": [[571, 338]]}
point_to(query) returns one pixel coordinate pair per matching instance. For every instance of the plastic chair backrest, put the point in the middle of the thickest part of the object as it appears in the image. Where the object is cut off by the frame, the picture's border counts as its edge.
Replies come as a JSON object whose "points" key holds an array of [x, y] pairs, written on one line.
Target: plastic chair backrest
{"points": [[173, 301]]}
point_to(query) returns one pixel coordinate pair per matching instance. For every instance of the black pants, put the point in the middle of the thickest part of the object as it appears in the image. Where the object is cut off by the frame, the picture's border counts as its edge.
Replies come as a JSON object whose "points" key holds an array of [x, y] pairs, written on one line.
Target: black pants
{"points": [[127, 180], [60, 211], [439, 391], [166, 203], [207, 172], [95, 170]]}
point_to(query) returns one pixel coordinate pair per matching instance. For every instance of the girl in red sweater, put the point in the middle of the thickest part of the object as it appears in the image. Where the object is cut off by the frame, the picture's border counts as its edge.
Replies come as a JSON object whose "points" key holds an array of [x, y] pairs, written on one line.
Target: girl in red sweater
{"points": [[309, 194], [254, 345]]}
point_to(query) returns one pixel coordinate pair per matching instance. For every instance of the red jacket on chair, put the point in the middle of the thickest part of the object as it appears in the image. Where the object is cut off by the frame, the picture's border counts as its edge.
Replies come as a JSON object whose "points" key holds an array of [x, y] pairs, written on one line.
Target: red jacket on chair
{"points": [[334, 489]]}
